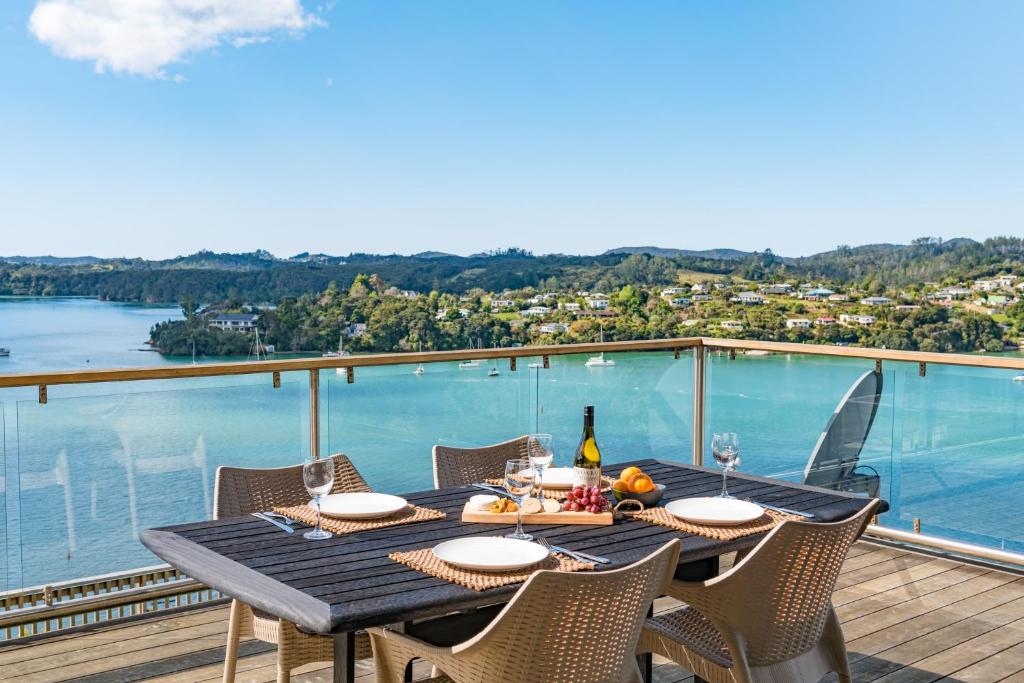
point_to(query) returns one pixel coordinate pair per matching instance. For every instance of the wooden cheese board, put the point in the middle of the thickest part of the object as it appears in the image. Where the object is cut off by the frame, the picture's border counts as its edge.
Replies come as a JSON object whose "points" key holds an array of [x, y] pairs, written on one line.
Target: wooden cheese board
{"points": [[469, 514]]}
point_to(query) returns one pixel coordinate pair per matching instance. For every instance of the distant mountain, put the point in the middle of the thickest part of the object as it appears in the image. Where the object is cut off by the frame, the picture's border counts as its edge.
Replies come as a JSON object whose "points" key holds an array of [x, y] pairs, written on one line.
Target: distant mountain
{"points": [[52, 260], [432, 254], [719, 254]]}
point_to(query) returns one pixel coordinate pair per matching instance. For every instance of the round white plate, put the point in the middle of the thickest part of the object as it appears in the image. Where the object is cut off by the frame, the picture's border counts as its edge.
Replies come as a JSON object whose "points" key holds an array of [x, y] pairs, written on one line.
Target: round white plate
{"points": [[360, 505], [490, 553], [715, 511], [555, 477]]}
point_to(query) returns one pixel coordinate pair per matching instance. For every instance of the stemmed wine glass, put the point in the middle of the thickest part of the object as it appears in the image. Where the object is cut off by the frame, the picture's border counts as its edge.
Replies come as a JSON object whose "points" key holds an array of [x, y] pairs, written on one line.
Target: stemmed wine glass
{"points": [[538, 448], [726, 449], [518, 483], [318, 476]]}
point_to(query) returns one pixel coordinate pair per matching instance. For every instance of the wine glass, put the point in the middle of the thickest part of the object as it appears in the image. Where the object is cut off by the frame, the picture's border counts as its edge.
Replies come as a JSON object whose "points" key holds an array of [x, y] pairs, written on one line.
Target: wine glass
{"points": [[518, 483], [318, 476], [726, 449], [538, 448]]}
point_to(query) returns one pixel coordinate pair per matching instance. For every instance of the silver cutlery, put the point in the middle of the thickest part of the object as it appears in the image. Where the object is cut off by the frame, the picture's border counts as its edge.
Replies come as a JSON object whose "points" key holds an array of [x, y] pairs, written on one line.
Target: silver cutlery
{"points": [[279, 525], [277, 515], [787, 511], [574, 554]]}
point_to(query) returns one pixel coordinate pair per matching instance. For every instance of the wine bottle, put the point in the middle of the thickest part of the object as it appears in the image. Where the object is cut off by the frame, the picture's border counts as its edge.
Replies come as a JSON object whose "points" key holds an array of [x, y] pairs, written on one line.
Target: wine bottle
{"points": [[586, 463]]}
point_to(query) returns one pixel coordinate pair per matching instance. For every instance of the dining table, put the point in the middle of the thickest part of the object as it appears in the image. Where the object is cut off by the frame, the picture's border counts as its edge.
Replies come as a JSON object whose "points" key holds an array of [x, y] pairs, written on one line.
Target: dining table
{"points": [[348, 583]]}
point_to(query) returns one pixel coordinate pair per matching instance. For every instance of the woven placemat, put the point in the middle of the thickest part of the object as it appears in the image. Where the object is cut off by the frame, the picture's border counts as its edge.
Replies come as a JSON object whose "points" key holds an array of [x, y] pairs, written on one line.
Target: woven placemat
{"points": [[407, 515], [424, 560], [662, 517], [558, 494]]}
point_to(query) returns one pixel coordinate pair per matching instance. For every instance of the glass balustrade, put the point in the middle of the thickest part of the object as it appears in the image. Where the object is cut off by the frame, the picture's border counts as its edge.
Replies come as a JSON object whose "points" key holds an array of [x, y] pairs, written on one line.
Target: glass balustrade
{"points": [[92, 470]]}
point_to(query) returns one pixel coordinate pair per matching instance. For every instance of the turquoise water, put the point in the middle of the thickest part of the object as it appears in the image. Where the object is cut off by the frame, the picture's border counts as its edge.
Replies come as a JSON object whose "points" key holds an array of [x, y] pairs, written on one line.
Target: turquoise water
{"points": [[90, 469]]}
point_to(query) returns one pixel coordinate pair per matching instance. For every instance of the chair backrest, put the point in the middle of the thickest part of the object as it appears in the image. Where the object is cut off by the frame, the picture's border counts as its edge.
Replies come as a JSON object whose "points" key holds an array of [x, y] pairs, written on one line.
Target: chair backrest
{"points": [[241, 490], [580, 627], [778, 597], [838, 449], [459, 466]]}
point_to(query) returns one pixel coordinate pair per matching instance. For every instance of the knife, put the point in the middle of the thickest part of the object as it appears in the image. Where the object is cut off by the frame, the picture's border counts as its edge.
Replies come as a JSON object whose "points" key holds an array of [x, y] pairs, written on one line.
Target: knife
{"points": [[585, 556], [787, 511], [493, 489], [279, 525]]}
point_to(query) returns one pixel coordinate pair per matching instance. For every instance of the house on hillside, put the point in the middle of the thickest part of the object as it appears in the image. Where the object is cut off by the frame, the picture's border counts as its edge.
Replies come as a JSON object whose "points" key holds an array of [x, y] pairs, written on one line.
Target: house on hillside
{"points": [[876, 301], [535, 312], [798, 323], [553, 328], [235, 322], [825, 321], [816, 294], [731, 325], [679, 302], [751, 298], [853, 319], [780, 288], [569, 306]]}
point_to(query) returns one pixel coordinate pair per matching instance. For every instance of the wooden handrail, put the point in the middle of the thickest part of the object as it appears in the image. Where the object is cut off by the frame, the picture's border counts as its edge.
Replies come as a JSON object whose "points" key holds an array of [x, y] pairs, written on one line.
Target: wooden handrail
{"points": [[380, 359]]}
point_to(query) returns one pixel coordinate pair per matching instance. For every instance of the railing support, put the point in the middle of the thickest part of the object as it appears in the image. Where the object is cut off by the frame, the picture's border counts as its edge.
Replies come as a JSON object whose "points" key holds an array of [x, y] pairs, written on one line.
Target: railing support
{"points": [[699, 356], [314, 414]]}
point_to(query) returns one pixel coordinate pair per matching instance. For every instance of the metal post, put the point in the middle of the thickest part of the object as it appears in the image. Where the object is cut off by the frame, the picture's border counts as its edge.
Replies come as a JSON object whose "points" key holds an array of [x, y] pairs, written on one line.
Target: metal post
{"points": [[314, 413], [698, 404]]}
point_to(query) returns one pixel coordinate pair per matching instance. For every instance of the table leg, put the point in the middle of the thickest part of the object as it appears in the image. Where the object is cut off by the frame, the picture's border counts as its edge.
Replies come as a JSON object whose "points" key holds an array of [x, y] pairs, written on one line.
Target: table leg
{"points": [[646, 660], [344, 657], [698, 571]]}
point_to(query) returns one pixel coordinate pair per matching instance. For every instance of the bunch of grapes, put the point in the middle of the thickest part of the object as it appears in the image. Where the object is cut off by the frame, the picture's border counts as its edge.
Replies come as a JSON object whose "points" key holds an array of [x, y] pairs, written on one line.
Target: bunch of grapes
{"points": [[585, 499]]}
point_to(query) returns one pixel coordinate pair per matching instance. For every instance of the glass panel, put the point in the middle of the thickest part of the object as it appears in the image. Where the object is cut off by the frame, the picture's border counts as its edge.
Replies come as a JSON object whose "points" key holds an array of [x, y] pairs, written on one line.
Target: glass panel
{"points": [[781, 405], [96, 470], [388, 420], [643, 404], [5, 579], [959, 459]]}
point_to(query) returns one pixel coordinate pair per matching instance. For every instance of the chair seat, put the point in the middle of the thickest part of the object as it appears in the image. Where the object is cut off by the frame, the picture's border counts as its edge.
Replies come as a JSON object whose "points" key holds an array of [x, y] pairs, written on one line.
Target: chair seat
{"points": [[692, 630], [304, 647]]}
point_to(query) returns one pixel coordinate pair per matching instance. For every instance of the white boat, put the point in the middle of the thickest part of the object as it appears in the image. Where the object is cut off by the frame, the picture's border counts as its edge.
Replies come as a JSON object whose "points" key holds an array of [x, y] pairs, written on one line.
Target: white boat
{"points": [[599, 361], [1017, 378], [419, 368], [493, 372], [340, 353], [534, 366], [469, 363], [4, 352]]}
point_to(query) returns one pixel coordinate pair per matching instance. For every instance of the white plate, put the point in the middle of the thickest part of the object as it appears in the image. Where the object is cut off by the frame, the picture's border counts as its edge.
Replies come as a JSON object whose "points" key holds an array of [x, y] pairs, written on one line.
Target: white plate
{"points": [[490, 553], [715, 511], [360, 505], [554, 477]]}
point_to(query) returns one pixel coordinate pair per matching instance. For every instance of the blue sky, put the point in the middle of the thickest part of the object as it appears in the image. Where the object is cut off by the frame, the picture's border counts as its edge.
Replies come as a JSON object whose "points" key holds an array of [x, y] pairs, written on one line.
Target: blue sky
{"points": [[555, 126]]}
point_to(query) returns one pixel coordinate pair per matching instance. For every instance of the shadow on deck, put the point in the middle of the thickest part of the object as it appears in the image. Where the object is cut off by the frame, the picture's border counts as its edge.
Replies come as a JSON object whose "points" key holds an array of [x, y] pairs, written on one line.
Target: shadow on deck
{"points": [[908, 617]]}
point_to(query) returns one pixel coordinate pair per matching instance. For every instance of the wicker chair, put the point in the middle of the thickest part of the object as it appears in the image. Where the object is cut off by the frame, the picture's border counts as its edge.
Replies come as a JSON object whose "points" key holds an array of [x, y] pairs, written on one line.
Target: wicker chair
{"points": [[240, 491], [461, 466], [768, 619], [559, 628]]}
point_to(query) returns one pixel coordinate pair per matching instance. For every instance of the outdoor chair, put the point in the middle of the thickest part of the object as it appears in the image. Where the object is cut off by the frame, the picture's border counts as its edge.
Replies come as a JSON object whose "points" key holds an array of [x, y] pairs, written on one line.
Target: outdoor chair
{"points": [[559, 627], [834, 463], [770, 617], [460, 466], [240, 491]]}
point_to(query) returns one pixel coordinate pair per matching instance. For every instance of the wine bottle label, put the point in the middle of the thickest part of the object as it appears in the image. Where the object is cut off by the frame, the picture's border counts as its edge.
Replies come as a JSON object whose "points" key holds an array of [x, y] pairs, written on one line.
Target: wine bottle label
{"points": [[586, 476]]}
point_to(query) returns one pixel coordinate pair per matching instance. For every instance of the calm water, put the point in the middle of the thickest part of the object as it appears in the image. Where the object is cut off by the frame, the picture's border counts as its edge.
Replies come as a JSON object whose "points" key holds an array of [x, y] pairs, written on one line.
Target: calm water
{"points": [[99, 463]]}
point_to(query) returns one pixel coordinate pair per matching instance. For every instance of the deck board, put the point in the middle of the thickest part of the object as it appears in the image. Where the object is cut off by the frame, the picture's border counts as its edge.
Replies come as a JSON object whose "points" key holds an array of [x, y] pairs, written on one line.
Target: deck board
{"points": [[908, 618]]}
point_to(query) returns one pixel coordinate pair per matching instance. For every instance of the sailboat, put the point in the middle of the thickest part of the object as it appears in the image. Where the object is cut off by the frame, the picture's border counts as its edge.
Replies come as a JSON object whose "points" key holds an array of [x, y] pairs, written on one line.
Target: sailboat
{"points": [[469, 363], [4, 352], [493, 372], [599, 361], [419, 368], [257, 350], [340, 353]]}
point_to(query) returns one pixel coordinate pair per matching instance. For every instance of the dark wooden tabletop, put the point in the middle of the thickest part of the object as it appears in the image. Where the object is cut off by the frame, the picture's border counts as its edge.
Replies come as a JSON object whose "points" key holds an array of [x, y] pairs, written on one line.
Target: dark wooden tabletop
{"points": [[348, 583]]}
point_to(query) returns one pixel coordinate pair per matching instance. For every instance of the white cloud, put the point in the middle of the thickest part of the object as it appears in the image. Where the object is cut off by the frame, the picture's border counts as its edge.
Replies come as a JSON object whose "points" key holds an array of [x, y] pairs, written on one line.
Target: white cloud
{"points": [[145, 36]]}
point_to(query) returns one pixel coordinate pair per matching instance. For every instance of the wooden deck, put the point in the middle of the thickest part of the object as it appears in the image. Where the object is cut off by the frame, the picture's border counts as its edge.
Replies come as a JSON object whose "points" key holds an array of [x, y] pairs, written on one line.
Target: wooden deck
{"points": [[908, 617]]}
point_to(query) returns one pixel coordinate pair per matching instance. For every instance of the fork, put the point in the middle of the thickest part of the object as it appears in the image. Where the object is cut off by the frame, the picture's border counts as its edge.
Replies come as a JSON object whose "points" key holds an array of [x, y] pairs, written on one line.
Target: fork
{"points": [[578, 556], [284, 518]]}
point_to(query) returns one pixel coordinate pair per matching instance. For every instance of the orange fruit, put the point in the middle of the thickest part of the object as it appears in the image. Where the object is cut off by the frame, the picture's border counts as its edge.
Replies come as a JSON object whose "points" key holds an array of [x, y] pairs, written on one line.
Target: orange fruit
{"points": [[629, 472], [620, 486], [640, 483]]}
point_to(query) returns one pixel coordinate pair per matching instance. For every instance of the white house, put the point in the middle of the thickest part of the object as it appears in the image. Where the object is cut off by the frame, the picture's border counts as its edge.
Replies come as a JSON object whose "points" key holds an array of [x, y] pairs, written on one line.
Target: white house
{"points": [[598, 303], [701, 297], [985, 285], [408, 294], [838, 297], [700, 288], [236, 322], [673, 291], [748, 298], [777, 288], [569, 306], [553, 328], [535, 311], [502, 303], [825, 321], [679, 302], [853, 319], [731, 325], [798, 323], [876, 301], [1006, 281]]}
